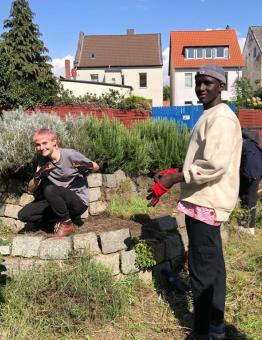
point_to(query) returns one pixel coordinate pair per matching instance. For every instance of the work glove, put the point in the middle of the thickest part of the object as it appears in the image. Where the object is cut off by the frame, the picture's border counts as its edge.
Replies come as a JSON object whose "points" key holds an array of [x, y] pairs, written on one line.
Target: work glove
{"points": [[161, 186], [44, 171], [83, 167]]}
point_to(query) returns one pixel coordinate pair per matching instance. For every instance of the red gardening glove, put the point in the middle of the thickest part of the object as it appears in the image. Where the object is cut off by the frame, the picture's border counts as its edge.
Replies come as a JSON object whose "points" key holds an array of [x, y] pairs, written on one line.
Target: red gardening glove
{"points": [[159, 189]]}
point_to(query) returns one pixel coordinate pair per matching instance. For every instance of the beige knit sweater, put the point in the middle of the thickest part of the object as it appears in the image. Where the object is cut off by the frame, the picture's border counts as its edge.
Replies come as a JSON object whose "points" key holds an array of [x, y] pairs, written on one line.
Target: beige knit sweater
{"points": [[211, 167]]}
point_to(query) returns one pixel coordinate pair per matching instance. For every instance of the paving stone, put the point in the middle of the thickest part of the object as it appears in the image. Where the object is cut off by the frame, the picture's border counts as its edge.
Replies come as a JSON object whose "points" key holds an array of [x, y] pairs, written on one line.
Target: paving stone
{"points": [[94, 180], [55, 248], [120, 177], [127, 260], [96, 208], [26, 199], [12, 210], [5, 250], [94, 194], [166, 223], [180, 220], [109, 180], [112, 241], [26, 246], [86, 241], [111, 261]]}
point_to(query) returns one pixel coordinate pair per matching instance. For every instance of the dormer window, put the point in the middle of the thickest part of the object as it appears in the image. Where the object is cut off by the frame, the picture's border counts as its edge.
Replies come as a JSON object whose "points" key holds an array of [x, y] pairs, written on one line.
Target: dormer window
{"points": [[92, 55], [207, 52]]}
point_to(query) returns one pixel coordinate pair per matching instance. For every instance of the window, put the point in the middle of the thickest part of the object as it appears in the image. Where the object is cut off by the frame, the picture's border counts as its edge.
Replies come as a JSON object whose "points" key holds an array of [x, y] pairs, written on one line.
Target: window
{"points": [[92, 55], [190, 53], [226, 86], [199, 53], [123, 79], [113, 80], [94, 77], [188, 80], [220, 52], [188, 103], [142, 79], [254, 52], [208, 52]]}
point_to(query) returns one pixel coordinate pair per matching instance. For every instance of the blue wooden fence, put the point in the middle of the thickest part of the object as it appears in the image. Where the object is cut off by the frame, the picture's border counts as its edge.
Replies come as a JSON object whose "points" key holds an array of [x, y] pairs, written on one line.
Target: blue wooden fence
{"points": [[187, 115]]}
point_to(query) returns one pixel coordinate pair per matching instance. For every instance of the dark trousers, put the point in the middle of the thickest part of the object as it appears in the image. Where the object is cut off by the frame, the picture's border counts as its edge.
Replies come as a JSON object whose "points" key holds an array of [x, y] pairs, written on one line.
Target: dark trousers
{"points": [[248, 196], [207, 274], [55, 204]]}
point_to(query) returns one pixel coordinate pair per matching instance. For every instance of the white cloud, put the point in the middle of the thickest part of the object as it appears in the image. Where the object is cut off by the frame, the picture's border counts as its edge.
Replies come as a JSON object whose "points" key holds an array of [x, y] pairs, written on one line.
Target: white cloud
{"points": [[59, 65], [165, 54]]}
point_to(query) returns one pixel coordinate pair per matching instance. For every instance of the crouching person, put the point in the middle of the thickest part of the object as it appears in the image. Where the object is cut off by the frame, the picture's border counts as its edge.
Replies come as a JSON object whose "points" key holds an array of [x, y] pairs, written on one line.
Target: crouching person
{"points": [[59, 186]]}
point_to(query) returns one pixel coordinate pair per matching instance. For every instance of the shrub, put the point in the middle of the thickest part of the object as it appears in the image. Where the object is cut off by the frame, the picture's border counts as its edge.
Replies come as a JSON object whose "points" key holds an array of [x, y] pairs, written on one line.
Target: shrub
{"points": [[145, 257], [54, 302]]}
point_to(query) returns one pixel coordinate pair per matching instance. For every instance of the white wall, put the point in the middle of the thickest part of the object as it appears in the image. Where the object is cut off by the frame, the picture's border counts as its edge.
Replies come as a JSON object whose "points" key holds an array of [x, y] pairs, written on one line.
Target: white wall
{"points": [[80, 89], [182, 93], [153, 91]]}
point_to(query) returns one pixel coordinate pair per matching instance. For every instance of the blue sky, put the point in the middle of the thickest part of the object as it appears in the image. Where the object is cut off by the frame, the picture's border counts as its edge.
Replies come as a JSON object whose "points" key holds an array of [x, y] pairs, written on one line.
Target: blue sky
{"points": [[60, 21]]}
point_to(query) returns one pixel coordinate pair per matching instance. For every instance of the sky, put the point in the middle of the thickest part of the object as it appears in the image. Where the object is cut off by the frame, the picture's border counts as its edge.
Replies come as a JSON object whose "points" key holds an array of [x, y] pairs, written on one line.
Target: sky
{"points": [[60, 21]]}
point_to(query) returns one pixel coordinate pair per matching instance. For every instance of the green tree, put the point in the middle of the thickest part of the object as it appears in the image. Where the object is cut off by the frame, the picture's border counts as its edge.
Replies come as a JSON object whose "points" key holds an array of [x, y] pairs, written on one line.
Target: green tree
{"points": [[166, 92], [30, 79], [243, 91]]}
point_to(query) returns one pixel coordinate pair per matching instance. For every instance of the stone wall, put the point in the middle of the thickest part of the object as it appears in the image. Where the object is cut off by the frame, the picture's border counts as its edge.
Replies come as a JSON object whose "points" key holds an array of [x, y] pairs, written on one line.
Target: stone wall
{"points": [[101, 189]]}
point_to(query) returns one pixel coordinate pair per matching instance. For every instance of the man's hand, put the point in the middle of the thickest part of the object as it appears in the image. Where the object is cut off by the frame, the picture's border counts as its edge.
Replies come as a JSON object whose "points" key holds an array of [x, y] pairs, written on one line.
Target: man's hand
{"points": [[83, 167], [43, 171]]}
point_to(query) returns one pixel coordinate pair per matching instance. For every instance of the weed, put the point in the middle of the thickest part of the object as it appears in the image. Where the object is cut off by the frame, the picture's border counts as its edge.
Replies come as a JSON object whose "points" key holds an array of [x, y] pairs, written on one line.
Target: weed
{"points": [[145, 257]]}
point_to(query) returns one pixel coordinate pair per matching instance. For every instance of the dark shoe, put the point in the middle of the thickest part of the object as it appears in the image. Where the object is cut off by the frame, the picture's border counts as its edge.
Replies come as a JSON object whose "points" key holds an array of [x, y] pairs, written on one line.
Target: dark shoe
{"points": [[217, 331], [63, 229]]}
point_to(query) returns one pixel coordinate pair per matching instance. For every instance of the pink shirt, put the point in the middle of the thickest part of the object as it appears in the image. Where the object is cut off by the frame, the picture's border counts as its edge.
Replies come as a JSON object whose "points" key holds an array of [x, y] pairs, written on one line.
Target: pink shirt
{"points": [[203, 214]]}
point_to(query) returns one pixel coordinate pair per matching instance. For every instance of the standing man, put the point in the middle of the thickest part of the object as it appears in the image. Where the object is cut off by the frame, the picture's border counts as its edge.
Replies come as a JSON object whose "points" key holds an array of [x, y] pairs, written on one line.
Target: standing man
{"points": [[209, 192], [59, 185]]}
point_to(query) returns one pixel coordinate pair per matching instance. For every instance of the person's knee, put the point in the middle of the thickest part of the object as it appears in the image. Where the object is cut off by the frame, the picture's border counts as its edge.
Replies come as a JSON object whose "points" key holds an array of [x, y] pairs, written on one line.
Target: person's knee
{"points": [[49, 190], [24, 215]]}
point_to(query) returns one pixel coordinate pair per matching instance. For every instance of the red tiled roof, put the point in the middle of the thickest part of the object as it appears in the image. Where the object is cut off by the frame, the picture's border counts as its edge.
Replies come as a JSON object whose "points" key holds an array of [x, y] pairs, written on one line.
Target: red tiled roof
{"points": [[120, 50], [226, 37]]}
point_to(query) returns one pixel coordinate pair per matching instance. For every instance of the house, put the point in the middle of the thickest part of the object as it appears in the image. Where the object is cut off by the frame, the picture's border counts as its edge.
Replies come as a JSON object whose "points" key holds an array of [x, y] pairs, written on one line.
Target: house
{"points": [[189, 50], [131, 63], [252, 53]]}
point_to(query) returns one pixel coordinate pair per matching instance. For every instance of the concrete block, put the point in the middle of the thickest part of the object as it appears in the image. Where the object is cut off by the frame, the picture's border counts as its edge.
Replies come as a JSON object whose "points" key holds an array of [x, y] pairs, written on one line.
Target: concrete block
{"points": [[12, 210], [109, 180], [166, 223], [111, 261], [94, 194], [26, 199], [127, 260], [55, 248], [112, 241], [94, 180], [26, 246], [96, 208], [86, 241]]}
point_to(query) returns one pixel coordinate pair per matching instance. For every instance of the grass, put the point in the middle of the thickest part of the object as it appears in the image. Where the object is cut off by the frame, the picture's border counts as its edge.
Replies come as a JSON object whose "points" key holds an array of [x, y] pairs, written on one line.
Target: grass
{"points": [[127, 208]]}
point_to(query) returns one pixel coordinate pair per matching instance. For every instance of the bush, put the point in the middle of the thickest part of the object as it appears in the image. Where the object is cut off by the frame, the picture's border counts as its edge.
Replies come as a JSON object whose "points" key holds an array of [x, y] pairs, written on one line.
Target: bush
{"points": [[58, 302]]}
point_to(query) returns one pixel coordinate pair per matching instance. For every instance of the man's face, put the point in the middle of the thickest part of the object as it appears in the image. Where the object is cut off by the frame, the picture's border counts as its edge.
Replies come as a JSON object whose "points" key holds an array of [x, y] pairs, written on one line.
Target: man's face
{"points": [[208, 89], [45, 146]]}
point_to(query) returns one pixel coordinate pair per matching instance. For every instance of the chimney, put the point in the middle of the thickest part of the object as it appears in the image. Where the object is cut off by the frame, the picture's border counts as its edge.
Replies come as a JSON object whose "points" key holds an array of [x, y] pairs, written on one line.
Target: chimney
{"points": [[67, 69], [130, 31]]}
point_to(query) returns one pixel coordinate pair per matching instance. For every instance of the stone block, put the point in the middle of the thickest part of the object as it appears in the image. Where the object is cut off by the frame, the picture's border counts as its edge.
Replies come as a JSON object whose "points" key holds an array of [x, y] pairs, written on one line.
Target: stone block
{"points": [[166, 223], [94, 180], [146, 277], [11, 266], [127, 260], [180, 220], [86, 241], [5, 250], [26, 246], [96, 208], [173, 247], [14, 224], [120, 176], [12, 210], [111, 261], [184, 237], [85, 214], [112, 241], [109, 193], [55, 248], [2, 209], [26, 199], [10, 198], [109, 180], [94, 194]]}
